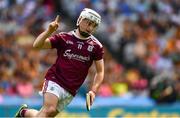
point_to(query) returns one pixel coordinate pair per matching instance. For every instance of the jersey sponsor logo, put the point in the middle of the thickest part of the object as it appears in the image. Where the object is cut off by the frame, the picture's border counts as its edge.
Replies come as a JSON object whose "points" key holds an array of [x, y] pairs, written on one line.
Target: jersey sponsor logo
{"points": [[71, 55]]}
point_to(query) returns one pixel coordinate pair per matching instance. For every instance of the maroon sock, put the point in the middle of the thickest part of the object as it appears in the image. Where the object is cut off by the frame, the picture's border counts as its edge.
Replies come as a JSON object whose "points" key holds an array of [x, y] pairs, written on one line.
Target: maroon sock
{"points": [[23, 111]]}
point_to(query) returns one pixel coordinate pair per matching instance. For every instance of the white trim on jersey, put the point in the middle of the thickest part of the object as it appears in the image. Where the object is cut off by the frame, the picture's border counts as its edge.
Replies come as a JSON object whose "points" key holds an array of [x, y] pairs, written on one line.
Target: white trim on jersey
{"points": [[97, 41]]}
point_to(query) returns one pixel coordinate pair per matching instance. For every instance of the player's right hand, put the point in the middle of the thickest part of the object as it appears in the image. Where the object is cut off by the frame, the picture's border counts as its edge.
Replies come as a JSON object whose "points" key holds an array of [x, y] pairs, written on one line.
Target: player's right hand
{"points": [[53, 26], [92, 96]]}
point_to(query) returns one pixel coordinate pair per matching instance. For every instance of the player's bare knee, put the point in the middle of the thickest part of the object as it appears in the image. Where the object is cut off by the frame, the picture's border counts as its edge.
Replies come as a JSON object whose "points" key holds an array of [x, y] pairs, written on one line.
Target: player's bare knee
{"points": [[51, 111]]}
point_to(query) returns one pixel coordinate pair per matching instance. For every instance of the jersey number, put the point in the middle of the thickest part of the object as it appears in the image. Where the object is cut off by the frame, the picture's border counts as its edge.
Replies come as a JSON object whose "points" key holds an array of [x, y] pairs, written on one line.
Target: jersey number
{"points": [[79, 46]]}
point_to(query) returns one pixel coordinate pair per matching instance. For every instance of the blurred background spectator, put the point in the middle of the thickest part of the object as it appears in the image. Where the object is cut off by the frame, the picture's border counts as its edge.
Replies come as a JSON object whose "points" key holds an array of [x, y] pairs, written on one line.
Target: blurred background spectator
{"points": [[141, 40]]}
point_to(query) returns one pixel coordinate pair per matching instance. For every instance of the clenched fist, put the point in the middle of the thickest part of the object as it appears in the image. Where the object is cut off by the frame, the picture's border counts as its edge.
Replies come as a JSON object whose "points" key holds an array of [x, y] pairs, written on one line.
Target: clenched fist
{"points": [[92, 96]]}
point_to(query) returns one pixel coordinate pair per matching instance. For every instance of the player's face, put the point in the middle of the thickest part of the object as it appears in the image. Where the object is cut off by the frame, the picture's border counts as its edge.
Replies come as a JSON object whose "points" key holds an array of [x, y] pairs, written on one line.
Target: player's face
{"points": [[87, 27]]}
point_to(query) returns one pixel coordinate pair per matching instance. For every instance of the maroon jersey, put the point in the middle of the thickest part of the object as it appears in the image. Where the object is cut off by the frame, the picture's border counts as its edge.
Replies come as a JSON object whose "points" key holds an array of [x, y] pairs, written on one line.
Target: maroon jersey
{"points": [[74, 57]]}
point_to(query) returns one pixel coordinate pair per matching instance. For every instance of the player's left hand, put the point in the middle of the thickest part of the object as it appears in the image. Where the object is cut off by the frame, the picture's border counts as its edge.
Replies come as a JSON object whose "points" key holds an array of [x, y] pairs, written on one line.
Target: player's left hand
{"points": [[92, 96]]}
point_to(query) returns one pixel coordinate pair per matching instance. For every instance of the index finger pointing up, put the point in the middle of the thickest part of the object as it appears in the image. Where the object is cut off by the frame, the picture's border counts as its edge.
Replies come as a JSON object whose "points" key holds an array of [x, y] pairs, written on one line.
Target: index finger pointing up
{"points": [[57, 19]]}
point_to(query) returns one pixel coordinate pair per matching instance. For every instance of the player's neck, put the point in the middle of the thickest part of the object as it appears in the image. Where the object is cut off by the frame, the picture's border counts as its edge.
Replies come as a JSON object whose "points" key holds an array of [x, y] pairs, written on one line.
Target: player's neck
{"points": [[79, 36]]}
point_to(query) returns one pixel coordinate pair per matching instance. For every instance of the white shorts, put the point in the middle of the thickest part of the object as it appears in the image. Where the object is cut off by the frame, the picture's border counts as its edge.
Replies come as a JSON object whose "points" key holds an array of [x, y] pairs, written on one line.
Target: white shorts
{"points": [[64, 96]]}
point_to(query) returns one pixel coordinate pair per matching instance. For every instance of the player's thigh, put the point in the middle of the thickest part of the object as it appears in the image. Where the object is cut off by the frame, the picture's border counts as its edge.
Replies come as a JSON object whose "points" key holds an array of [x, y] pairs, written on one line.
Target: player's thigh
{"points": [[64, 101], [50, 94], [63, 96], [50, 100], [49, 107]]}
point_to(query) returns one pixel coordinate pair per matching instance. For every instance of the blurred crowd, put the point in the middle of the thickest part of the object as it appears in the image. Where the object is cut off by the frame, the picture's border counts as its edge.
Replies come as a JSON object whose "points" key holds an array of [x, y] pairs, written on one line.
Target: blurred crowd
{"points": [[141, 39]]}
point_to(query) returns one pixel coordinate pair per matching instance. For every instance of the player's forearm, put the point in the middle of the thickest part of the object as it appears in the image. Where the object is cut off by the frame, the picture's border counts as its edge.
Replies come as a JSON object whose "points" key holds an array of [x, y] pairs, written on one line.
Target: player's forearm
{"points": [[97, 81], [39, 42]]}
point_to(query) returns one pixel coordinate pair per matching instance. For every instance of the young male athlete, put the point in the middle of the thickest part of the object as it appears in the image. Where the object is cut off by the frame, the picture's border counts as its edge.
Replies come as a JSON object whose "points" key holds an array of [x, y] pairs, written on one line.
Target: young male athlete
{"points": [[76, 51]]}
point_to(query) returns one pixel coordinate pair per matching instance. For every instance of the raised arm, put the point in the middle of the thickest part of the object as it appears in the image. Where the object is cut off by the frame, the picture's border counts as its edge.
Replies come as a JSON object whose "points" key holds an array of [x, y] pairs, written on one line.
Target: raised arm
{"points": [[42, 41]]}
